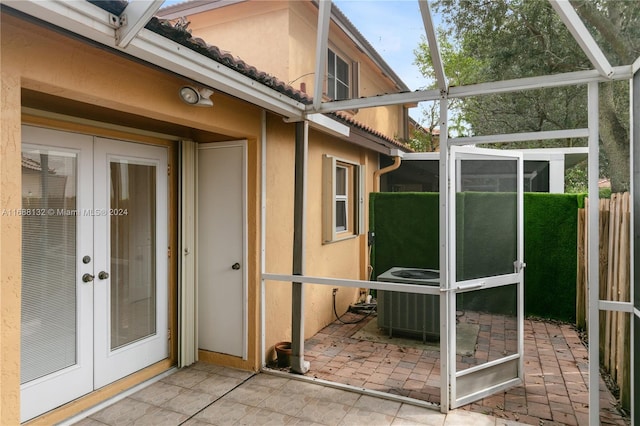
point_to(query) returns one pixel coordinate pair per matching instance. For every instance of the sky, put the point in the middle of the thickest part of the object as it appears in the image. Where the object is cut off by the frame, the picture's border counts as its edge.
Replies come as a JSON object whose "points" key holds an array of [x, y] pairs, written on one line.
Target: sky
{"points": [[394, 29]]}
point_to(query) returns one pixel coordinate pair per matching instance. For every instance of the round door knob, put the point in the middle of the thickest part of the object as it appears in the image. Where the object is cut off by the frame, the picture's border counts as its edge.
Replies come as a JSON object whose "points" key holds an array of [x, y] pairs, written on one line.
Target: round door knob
{"points": [[103, 275], [87, 278], [235, 266]]}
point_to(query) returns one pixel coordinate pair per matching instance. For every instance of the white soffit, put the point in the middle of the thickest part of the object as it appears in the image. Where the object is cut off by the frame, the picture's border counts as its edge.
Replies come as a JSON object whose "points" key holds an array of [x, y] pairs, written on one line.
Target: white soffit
{"points": [[329, 125], [96, 24]]}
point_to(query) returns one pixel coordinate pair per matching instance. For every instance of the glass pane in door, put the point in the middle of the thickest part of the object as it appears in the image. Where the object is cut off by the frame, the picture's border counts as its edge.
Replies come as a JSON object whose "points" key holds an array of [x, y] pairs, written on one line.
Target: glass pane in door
{"points": [[133, 252], [49, 297]]}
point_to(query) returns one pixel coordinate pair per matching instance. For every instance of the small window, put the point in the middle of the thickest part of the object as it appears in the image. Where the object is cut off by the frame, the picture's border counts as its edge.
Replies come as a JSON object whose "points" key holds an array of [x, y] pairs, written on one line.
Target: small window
{"points": [[343, 199], [338, 87]]}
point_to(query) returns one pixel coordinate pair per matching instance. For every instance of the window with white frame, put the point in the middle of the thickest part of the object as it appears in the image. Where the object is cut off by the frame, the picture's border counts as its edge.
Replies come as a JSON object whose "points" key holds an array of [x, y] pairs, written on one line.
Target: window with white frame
{"points": [[343, 199], [338, 87], [342, 196]]}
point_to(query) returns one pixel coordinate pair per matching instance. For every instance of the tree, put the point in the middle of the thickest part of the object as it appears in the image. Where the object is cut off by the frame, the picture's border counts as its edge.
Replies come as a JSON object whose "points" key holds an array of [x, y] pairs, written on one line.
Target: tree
{"points": [[499, 40]]}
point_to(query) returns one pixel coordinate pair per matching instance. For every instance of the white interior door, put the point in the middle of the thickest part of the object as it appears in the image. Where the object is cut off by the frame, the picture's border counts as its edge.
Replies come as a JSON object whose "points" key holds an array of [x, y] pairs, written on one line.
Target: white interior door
{"points": [[486, 271], [94, 264], [221, 264]]}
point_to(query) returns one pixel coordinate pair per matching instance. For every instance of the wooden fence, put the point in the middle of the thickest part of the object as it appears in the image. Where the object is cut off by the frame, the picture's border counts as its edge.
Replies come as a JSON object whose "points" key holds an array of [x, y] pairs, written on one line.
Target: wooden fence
{"points": [[614, 278]]}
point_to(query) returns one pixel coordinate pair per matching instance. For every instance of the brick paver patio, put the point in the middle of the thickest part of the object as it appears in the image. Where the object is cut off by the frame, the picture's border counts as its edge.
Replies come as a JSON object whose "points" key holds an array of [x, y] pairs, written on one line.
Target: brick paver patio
{"points": [[555, 359]]}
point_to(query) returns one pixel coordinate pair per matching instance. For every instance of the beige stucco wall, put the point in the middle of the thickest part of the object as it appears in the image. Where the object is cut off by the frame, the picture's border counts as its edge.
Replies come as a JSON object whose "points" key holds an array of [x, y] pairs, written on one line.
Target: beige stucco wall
{"points": [[342, 259], [10, 240], [81, 77], [257, 39]]}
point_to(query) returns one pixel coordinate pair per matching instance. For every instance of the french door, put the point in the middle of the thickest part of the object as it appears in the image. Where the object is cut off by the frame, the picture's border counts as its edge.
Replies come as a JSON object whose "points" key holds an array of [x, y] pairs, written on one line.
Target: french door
{"points": [[486, 272], [94, 264]]}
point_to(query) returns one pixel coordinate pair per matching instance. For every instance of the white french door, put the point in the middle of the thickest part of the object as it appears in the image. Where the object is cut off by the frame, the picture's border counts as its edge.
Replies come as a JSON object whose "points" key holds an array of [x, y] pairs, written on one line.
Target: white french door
{"points": [[486, 271], [94, 264]]}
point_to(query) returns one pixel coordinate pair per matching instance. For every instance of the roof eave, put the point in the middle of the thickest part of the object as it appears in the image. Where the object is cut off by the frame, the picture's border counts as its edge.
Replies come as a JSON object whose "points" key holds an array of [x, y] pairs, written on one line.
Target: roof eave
{"points": [[91, 22]]}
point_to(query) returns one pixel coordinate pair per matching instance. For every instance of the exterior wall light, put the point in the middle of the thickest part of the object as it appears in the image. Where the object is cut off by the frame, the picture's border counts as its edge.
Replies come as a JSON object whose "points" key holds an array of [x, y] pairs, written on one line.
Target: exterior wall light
{"points": [[197, 97]]}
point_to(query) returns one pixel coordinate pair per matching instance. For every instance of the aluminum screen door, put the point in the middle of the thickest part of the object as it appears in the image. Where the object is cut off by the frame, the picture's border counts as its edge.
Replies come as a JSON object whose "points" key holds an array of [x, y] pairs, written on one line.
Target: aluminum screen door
{"points": [[485, 273]]}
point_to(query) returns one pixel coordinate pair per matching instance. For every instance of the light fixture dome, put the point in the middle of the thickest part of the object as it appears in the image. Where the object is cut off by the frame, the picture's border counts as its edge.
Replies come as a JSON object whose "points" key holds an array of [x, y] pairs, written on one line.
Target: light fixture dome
{"points": [[197, 97], [189, 95]]}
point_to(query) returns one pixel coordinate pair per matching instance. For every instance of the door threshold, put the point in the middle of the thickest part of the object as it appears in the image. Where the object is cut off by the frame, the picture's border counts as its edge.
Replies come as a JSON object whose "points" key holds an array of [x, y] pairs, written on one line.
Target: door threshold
{"points": [[122, 395]]}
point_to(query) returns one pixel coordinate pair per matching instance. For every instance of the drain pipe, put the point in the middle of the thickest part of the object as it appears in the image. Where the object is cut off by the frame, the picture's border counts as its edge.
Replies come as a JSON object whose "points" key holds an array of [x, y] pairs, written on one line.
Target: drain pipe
{"points": [[397, 159]]}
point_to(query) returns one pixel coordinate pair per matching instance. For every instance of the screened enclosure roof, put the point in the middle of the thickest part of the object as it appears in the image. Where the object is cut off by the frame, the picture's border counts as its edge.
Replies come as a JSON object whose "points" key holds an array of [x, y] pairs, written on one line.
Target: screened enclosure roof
{"points": [[607, 38]]}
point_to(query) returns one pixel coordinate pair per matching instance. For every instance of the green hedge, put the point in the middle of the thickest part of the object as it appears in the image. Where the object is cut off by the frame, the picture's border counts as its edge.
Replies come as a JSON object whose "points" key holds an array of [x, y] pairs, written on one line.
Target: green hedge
{"points": [[406, 227]]}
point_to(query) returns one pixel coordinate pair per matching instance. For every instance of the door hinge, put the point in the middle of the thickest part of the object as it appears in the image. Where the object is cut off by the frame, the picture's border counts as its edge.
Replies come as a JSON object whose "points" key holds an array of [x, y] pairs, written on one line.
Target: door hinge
{"points": [[169, 170], [169, 334], [169, 252]]}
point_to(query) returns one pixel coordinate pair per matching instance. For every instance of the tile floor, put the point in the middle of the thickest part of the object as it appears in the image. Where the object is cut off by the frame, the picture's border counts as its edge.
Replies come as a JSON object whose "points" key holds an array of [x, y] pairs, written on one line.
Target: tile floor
{"points": [[555, 367], [554, 390], [205, 394]]}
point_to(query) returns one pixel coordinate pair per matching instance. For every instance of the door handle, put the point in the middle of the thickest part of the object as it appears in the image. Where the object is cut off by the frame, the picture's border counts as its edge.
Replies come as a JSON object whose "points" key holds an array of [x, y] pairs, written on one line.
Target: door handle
{"points": [[103, 275], [235, 266], [87, 278]]}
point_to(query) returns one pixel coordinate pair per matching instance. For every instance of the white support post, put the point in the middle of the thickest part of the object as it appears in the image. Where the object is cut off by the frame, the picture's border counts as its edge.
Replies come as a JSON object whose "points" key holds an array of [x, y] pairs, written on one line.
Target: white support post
{"points": [[263, 235], [324, 18], [444, 256], [298, 364], [634, 119], [593, 255]]}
